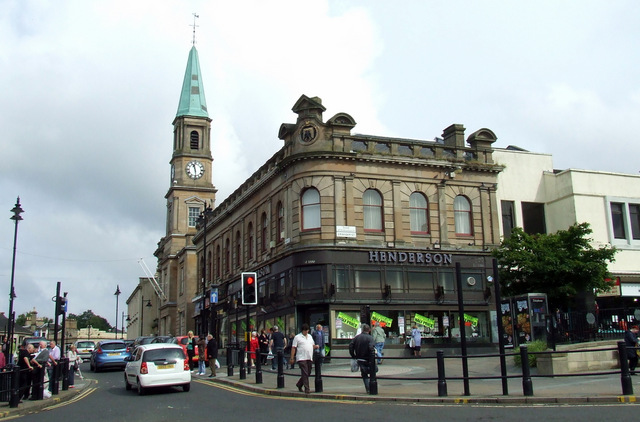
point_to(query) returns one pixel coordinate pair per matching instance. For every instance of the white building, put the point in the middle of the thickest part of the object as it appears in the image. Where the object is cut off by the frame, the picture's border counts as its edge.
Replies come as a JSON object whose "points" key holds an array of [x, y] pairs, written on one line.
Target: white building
{"points": [[540, 199]]}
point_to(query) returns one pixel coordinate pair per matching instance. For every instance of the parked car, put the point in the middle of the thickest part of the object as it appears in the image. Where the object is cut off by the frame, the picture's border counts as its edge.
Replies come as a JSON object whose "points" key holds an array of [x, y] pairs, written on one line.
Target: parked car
{"points": [[109, 354], [157, 365], [35, 341], [164, 339], [85, 348]]}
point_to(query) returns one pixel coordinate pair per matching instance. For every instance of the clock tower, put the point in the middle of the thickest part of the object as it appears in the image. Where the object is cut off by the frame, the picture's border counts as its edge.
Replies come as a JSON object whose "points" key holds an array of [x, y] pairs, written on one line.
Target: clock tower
{"points": [[190, 191]]}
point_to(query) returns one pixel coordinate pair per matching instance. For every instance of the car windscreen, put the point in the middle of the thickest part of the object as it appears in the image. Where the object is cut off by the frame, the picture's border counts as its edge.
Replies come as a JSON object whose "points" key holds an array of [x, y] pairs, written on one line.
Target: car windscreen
{"points": [[85, 344], [162, 355], [113, 346]]}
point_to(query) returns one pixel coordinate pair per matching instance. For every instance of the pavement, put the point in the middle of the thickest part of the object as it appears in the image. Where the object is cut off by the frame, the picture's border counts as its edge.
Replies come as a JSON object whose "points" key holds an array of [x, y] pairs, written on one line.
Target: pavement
{"points": [[402, 380]]}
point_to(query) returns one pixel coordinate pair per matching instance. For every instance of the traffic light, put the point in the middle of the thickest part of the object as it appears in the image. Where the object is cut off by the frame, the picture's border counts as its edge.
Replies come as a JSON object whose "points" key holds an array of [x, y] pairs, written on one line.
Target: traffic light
{"points": [[61, 305], [249, 289]]}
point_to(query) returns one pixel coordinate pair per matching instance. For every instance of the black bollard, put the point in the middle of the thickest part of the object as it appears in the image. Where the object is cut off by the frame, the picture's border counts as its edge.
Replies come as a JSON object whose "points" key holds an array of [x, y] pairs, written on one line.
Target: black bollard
{"points": [[243, 366], [65, 373], [258, 368], [373, 378], [280, 357], [625, 377], [54, 382], [229, 361], [318, 365], [37, 388], [442, 380], [527, 385], [14, 400]]}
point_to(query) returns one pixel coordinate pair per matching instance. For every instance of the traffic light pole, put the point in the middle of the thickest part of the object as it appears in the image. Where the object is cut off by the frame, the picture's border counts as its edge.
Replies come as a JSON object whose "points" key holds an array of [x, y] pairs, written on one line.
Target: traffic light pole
{"points": [[55, 321]]}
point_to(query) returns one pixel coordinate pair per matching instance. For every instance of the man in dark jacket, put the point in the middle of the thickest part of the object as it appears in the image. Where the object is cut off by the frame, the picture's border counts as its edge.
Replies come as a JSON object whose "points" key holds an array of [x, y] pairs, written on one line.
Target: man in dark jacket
{"points": [[212, 353], [361, 349], [631, 341]]}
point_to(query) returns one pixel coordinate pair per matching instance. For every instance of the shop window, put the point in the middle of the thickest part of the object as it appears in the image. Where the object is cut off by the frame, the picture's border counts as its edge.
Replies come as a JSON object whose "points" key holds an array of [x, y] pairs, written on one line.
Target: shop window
{"points": [[341, 279], [347, 324], [394, 278], [367, 281], [310, 281], [418, 213], [420, 281]]}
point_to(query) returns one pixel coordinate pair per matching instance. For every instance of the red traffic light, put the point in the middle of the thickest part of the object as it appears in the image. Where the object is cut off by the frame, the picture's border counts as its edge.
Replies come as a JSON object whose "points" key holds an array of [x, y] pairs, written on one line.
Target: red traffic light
{"points": [[249, 280]]}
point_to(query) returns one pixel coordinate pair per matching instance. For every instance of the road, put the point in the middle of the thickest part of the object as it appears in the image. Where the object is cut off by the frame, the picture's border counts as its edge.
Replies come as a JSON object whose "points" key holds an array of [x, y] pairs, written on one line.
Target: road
{"points": [[109, 401]]}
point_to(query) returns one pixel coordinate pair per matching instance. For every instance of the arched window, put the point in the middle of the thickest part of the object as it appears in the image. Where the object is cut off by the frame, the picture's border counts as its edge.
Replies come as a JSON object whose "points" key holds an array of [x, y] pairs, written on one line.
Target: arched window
{"points": [[209, 266], [310, 209], [218, 269], [280, 211], [462, 215], [265, 232], [251, 238], [227, 256], [372, 207], [238, 249], [419, 213], [195, 140]]}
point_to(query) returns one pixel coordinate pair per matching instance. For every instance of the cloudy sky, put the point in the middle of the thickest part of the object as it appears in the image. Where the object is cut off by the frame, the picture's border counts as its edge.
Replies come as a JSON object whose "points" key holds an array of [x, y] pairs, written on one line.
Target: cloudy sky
{"points": [[89, 89]]}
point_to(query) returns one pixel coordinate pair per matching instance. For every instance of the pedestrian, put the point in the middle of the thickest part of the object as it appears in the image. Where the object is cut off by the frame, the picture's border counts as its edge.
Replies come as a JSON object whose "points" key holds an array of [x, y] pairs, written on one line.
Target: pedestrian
{"points": [[318, 339], [302, 352], [278, 344], [54, 359], [42, 360], [74, 364], [361, 349], [26, 369], [202, 348], [263, 340], [379, 337], [287, 349], [252, 346], [631, 341], [191, 349], [416, 337], [212, 352]]}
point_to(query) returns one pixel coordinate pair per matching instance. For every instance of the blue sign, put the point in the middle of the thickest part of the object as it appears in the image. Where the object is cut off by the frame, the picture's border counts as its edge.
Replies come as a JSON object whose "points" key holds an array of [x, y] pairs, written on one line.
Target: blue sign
{"points": [[214, 296]]}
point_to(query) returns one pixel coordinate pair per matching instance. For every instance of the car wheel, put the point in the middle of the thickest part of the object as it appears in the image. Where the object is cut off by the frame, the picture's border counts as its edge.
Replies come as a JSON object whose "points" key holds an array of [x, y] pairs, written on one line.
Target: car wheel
{"points": [[127, 386], [186, 388], [141, 389]]}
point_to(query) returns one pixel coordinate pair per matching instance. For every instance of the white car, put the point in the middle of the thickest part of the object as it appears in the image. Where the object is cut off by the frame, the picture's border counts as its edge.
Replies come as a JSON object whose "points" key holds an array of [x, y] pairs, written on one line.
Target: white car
{"points": [[157, 365]]}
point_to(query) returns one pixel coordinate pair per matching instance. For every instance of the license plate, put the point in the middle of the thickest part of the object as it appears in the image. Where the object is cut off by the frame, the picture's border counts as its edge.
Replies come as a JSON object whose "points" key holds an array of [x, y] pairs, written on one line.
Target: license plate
{"points": [[170, 366], [113, 354]]}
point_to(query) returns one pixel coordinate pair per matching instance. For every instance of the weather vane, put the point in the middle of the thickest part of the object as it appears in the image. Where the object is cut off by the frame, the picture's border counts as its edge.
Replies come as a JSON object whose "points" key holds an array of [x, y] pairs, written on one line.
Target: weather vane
{"points": [[195, 16]]}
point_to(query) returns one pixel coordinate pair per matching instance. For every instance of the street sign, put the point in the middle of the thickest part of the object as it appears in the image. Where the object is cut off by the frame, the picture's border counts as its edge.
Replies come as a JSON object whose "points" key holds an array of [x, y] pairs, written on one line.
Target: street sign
{"points": [[214, 296]]}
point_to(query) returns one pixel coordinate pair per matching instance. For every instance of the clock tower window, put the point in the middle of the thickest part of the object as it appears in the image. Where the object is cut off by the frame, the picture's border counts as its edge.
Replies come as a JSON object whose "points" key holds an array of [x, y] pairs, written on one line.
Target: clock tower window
{"points": [[194, 213], [195, 140]]}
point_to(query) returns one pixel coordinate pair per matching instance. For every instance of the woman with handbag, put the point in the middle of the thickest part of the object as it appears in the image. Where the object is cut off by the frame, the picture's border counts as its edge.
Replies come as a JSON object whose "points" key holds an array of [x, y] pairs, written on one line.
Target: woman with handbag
{"points": [[74, 364]]}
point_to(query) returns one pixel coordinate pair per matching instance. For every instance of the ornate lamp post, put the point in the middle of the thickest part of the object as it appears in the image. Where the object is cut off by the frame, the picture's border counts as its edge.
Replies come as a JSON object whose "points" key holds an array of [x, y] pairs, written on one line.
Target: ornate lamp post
{"points": [[148, 305], [17, 210], [201, 224], [117, 295], [123, 320]]}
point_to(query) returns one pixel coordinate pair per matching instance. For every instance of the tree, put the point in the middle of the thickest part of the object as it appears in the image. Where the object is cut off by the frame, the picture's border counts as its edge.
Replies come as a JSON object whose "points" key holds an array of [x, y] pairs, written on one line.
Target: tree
{"points": [[562, 265], [22, 319], [89, 318]]}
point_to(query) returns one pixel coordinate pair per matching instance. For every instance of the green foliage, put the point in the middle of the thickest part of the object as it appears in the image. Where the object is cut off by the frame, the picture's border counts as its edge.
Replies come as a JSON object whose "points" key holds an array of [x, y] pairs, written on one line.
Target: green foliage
{"points": [[534, 346], [89, 318], [21, 319], [561, 264]]}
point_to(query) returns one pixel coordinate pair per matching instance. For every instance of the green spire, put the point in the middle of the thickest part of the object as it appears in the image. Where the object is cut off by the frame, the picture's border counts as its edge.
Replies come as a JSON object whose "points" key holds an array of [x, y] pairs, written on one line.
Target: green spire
{"points": [[192, 101]]}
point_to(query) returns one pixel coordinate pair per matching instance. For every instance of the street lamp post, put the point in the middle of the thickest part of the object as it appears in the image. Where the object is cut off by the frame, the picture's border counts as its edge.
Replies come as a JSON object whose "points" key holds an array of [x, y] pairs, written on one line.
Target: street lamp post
{"points": [[202, 224], [143, 305], [122, 328], [117, 295], [17, 210]]}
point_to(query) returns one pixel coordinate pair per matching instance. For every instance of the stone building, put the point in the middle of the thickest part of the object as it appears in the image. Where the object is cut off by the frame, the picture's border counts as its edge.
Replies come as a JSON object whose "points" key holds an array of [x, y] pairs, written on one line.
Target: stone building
{"points": [[339, 227]]}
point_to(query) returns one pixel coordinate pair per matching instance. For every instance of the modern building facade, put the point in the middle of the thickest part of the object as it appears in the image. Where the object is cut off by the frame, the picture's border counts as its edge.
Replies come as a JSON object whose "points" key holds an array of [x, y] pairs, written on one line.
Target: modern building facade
{"points": [[541, 199]]}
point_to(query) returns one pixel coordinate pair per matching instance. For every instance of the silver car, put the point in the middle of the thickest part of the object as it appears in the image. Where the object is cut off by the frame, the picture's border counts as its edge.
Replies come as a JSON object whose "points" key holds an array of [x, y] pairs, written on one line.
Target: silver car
{"points": [[85, 348], [157, 365]]}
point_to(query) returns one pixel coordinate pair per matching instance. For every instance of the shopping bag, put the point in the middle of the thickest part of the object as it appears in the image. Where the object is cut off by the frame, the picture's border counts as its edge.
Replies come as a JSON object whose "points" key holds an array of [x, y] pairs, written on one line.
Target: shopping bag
{"points": [[354, 365], [270, 355], [217, 364]]}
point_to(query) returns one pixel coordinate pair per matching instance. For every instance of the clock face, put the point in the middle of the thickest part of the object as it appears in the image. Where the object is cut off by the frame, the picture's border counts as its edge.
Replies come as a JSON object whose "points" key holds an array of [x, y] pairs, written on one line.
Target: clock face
{"points": [[195, 169]]}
